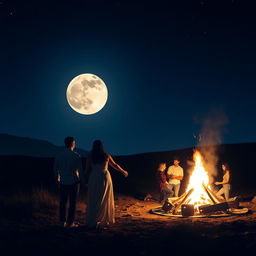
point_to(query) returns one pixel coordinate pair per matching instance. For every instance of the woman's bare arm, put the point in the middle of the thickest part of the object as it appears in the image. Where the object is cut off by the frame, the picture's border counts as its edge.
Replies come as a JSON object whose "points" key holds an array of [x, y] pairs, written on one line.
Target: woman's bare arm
{"points": [[116, 166], [224, 181]]}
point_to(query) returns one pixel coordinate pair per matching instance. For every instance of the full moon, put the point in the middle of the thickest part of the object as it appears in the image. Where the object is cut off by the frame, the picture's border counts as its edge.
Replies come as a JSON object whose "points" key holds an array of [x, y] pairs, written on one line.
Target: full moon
{"points": [[87, 94]]}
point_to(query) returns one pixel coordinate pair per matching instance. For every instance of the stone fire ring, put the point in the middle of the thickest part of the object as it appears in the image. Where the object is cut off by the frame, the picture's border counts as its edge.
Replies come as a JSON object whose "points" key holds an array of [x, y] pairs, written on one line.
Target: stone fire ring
{"points": [[159, 211]]}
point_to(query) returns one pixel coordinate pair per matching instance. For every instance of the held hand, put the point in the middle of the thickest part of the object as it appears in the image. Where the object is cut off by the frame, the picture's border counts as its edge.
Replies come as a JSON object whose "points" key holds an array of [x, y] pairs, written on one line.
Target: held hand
{"points": [[125, 173], [217, 183]]}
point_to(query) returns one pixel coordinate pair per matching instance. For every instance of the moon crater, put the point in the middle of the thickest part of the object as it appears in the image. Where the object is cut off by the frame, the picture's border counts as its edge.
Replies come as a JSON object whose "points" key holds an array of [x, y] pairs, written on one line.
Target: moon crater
{"points": [[87, 94]]}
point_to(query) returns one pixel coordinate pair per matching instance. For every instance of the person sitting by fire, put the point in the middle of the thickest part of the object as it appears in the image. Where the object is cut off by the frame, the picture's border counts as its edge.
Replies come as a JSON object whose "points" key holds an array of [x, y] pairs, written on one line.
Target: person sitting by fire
{"points": [[225, 182], [164, 187], [175, 175]]}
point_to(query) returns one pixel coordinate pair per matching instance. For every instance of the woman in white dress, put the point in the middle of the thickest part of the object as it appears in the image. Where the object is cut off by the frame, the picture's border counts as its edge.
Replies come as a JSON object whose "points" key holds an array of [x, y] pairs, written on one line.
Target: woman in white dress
{"points": [[100, 204]]}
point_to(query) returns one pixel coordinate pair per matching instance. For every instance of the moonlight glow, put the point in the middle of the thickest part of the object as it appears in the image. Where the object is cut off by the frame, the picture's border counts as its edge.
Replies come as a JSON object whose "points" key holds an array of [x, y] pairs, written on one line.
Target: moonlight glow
{"points": [[87, 94]]}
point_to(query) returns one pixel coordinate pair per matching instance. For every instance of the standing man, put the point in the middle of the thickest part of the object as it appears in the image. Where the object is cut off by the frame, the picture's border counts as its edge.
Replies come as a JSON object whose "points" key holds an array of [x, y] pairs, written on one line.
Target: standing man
{"points": [[175, 175], [68, 169]]}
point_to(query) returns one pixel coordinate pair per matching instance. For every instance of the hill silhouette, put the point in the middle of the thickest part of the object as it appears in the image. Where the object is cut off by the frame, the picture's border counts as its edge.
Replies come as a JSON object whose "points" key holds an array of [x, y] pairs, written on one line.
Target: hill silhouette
{"points": [[25, 172], [14, 145]]}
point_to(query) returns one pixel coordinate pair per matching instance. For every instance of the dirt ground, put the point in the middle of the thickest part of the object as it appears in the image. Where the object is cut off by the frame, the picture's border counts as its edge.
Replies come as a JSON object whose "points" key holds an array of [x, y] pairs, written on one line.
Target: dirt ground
{"points": [[136, 232]]}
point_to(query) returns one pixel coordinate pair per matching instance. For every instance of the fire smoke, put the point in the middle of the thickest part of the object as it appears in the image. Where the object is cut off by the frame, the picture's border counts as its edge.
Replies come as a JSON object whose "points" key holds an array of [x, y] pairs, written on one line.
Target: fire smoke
{"points": [[210, 138]]}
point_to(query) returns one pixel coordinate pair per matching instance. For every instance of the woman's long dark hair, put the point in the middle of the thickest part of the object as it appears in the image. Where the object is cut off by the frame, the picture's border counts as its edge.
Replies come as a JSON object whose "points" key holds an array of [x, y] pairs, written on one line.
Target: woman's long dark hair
{"points": [[98, 153], [227, 167]]}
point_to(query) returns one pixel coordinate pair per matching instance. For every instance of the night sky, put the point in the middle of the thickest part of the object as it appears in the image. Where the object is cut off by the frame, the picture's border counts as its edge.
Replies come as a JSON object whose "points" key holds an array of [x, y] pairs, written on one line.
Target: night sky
{"points": [[167, 65]]}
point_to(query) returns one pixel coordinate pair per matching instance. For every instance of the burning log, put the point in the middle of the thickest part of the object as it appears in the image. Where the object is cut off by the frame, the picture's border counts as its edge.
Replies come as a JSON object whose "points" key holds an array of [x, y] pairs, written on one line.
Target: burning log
{"points": [[233, 203], [179, 198], [207, 209], [213, 198], [178, 205]]}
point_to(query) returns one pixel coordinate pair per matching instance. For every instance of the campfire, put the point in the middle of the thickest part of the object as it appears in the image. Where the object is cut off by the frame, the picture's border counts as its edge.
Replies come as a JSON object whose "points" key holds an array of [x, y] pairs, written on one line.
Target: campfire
{"points": [[199, 181], [199, 199]]}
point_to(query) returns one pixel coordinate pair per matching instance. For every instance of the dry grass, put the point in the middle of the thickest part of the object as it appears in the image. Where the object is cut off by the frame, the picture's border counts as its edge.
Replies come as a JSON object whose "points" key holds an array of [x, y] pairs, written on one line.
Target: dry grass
{"points": [[24, 205], [37, 197]]}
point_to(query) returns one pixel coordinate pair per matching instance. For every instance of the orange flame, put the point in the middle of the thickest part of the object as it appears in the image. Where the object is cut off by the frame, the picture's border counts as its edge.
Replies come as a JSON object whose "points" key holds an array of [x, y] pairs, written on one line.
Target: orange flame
{"points": [[198, 177]]}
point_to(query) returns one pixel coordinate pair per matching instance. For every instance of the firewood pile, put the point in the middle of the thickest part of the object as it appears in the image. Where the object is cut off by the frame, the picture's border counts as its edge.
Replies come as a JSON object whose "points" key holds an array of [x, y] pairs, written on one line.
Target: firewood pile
{"points": [[181, 205]]}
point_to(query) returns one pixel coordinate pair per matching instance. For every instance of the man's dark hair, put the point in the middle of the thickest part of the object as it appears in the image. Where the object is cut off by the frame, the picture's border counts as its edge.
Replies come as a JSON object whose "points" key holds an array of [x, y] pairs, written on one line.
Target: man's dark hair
{"points": [[176, 158], [69, 141]]}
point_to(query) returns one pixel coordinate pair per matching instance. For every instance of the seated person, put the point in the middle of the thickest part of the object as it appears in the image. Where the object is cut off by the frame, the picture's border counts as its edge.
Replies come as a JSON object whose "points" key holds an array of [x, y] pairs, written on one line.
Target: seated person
{"points": [[164, 187]]}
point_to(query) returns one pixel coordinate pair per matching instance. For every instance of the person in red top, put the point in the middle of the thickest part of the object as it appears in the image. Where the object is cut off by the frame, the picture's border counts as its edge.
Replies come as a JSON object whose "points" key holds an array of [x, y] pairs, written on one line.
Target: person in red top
{"points": [[164, 187]]}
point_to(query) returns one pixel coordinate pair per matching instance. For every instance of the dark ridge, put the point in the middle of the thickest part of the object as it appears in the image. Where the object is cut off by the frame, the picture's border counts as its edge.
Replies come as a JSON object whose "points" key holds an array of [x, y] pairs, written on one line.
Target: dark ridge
{"points": [[14, 145], [24, 171]]}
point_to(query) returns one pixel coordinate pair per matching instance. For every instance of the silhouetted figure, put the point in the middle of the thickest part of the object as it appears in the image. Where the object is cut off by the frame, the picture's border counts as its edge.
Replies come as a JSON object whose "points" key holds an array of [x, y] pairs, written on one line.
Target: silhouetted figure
{"points": [[100, 205], [175, 175], [225, 182], [67, 168]]}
